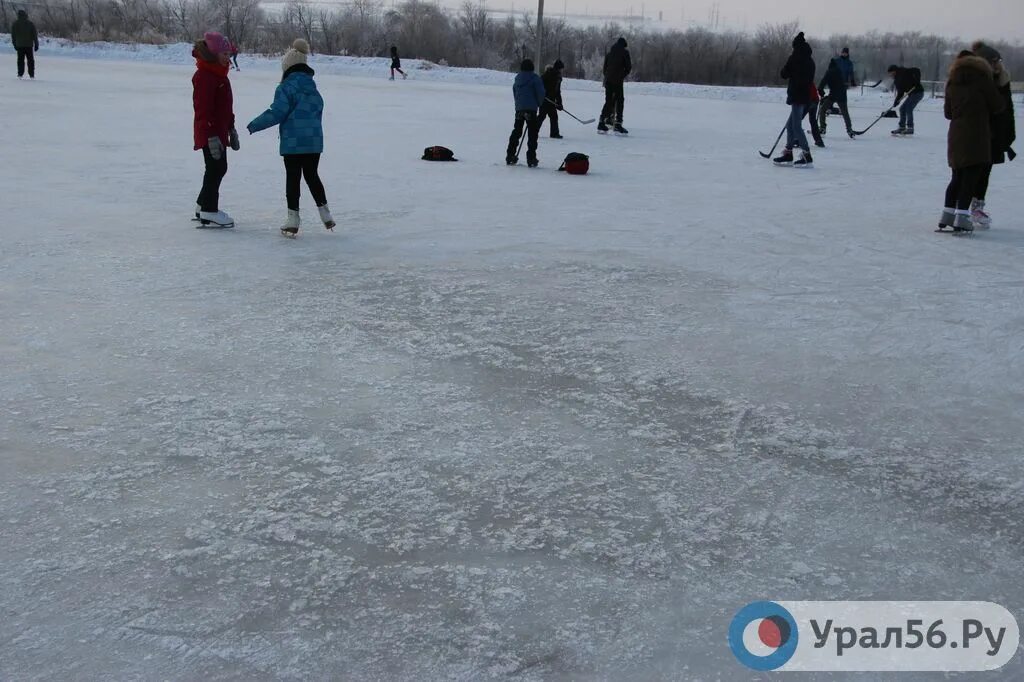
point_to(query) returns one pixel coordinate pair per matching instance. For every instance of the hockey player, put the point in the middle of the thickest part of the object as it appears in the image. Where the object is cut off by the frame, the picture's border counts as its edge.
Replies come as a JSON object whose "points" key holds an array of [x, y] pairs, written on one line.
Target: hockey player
{"points": [[529, 95], [970, 103], [617, 65], [213, 127], [846, 67], [799, 71], [298, 109], [834, 80], [552, 80], [907, 83]]}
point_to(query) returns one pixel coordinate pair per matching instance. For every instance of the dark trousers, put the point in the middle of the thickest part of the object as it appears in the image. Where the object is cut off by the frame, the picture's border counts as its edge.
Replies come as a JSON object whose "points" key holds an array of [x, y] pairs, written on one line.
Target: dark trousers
{"points": [[963, 186], [25, 53], [614, 101], [982, 188], [548, 109], [907, 109], [812, 115], [209, 195], [826, 104], [296, 167], [531, 122]]}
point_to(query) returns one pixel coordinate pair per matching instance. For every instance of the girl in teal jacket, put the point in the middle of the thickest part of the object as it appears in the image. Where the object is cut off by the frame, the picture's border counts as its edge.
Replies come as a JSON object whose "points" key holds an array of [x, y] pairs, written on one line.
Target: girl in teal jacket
{"points": [[298, 110]]}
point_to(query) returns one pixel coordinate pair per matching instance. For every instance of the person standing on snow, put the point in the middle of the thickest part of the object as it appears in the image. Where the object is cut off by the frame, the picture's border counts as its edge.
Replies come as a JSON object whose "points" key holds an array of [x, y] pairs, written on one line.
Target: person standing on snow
{"points": [[552, 80], [298, 108], [528, 90], [835, 80], [396, 64], [617, 65], [1004, 131], [971, 102], [907, 83], [213, 126], [234, 56], [799, 71], [26, 43]]}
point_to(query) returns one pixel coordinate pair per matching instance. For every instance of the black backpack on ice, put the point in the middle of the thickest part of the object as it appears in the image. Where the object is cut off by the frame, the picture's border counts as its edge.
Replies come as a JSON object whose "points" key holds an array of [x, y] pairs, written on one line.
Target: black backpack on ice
{"points": [[438, 154]]}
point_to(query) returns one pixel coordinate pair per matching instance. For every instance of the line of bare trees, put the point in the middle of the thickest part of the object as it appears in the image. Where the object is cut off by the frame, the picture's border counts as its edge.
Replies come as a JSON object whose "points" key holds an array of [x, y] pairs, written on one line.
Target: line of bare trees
{"points": [[473, 36]]}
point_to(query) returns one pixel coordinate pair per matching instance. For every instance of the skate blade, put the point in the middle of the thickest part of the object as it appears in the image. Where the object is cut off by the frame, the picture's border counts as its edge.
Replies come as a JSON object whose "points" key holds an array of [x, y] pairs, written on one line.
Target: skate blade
{"points": [[289, 234], [213, 226]]}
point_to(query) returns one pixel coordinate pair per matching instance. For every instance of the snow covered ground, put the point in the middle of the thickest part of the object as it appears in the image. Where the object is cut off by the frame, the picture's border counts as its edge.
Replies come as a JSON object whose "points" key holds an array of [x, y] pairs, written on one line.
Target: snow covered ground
{"points": [[504, 423]]}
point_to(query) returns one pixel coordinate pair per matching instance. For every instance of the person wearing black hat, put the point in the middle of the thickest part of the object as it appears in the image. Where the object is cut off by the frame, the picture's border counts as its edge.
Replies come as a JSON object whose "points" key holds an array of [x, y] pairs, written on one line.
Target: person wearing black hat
{"points": [[617, 65], [552, 80], [26, 43], [799, 71], [528, 90], [907, 83]]}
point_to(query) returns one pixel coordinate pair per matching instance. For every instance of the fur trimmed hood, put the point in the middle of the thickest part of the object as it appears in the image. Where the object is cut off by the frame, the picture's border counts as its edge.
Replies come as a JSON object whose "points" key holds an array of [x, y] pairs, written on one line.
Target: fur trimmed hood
{"points": [[966, 70]]}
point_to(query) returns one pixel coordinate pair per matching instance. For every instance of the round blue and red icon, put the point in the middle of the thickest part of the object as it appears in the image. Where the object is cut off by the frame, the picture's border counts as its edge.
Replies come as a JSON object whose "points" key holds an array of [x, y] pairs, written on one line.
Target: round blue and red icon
{"points": [[763, 635]]}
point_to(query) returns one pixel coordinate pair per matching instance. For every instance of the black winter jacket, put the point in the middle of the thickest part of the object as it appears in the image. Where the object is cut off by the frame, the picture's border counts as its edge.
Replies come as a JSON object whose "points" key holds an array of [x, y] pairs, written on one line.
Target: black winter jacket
{"points": [[23, 33], [835, 80], [617, 63], [799, 71], [906, 81], [552, 80]]}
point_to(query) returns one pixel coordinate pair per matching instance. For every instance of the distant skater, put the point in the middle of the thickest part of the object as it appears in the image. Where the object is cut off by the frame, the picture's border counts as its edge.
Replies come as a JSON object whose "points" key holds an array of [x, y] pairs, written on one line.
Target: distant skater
{"points": [[552, 80], [528, 90], [799, 71], [26, 43], [213, 126], [396, 64], [907, 83], [617, 65]]}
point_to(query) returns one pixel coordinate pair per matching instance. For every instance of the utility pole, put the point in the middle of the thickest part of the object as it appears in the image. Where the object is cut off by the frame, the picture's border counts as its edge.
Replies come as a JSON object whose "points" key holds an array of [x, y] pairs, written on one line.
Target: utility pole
{"points": [[539, 62]]}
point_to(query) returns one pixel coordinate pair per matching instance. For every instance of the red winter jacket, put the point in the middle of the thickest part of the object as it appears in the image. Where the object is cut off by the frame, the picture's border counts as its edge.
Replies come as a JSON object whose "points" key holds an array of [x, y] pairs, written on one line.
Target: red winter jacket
{"points": [[212, 101]]}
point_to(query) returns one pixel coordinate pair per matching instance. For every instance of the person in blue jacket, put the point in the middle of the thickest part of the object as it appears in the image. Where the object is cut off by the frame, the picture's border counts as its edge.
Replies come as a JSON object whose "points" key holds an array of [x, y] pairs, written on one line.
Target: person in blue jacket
{"points": [[298, 109], [529, 95], [846, 68]]}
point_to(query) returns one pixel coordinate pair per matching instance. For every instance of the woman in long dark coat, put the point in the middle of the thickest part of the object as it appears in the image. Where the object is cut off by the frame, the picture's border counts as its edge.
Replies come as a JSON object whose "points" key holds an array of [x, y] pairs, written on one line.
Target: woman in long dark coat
{"points": [[1004, 130], [971, 102]]}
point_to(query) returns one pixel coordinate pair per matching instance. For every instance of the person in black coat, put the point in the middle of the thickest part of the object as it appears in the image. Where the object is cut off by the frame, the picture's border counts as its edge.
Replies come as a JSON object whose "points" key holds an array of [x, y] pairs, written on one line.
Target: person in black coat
{"points": [[907, 83], [617, 65], [396, 64], [26, 43], [1004, 131], [799, 71], [552, 80], [835, 81]]}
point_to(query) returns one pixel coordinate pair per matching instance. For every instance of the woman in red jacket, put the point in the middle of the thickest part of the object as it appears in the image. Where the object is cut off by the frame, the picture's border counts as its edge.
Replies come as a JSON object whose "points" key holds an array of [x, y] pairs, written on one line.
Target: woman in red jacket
{"points": [[214, 123]]}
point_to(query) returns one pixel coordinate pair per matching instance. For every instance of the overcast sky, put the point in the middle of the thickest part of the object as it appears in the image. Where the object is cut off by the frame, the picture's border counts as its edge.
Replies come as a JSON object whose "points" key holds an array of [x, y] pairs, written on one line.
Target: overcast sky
{"points": [[955, 18]]}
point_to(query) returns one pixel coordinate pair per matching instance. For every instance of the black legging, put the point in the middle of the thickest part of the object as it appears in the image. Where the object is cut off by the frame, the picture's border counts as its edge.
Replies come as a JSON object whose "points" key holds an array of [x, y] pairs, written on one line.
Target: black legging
{"points": [[296, 167], [963, 186], [216, 169], [982, 188]]}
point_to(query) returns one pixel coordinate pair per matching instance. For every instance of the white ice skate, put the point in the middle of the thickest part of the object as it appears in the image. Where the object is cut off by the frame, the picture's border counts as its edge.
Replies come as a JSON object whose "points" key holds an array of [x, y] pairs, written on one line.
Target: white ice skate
{"points": [[325, 216], [980, 217], [291, 224], [215, 219]]}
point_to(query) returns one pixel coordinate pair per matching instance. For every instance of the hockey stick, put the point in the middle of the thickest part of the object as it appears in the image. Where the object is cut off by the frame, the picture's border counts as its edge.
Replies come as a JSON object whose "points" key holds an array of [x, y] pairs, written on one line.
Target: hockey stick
{"points": [[777, 140], [861, 132], [875, 85], [586, 123]]}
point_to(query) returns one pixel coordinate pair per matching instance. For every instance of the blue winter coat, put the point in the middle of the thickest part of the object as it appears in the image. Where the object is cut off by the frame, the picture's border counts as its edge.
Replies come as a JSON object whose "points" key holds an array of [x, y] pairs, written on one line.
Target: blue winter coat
{"points": [[846, 68], [528, 90], [298, 108]]}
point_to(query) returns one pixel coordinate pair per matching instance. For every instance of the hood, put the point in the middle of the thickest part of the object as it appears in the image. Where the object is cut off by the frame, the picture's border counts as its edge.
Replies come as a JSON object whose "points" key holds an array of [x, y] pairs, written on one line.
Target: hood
{"points": [[620, 43], [22, 14], [967, 70]]}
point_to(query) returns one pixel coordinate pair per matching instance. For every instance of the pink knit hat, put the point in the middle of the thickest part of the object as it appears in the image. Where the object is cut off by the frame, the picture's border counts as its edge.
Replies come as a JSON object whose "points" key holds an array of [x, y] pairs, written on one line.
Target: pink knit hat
{"points": [[216, 43]]}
